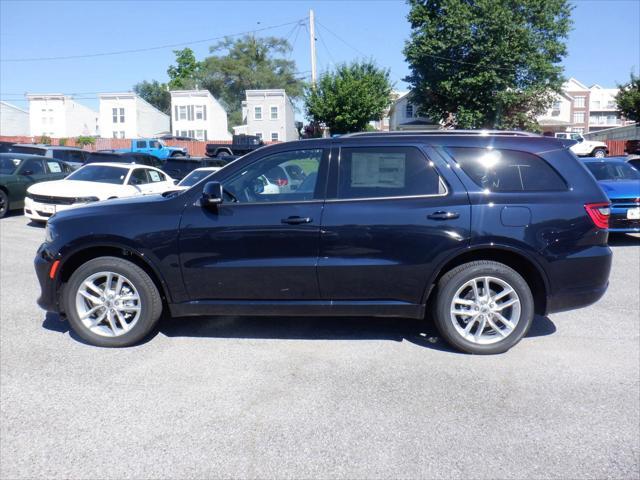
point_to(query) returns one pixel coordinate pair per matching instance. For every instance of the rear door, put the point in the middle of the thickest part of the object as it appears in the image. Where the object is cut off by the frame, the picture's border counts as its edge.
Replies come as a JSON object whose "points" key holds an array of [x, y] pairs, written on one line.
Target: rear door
{"points": [[393, 215]]}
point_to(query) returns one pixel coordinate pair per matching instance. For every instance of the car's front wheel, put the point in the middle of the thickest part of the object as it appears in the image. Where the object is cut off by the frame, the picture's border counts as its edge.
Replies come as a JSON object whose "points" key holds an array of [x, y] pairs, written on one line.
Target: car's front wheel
{"points": [[599, 153], [111, 302], [4, 204], [483, 307]]}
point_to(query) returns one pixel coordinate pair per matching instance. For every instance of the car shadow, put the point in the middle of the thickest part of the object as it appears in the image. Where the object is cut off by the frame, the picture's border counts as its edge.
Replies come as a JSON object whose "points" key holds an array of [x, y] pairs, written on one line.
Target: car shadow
{"points": [[624, 240], [418, 332]]}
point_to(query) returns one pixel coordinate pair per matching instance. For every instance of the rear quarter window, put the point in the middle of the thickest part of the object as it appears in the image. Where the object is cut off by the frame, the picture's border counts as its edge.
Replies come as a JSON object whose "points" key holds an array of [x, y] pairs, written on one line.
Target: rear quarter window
{"points": [[500, 170]]}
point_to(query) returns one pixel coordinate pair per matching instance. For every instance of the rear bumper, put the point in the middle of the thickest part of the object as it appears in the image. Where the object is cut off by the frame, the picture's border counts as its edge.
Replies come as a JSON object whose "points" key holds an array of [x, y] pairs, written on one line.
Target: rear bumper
{"points": [[573, 299]]}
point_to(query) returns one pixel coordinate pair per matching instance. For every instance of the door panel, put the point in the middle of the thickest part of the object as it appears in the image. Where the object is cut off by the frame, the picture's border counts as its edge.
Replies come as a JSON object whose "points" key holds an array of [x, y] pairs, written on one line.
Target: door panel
{"points": [[387, 248]]}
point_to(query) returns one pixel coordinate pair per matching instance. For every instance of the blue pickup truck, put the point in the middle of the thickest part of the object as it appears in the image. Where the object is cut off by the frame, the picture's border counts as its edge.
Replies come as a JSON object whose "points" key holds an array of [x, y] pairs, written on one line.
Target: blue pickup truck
{"points": [[155, 147]]}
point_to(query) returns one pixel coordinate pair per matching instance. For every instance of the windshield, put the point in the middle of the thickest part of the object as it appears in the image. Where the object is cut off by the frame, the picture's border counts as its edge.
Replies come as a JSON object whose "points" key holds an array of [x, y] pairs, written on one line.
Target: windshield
{"points": [[8, 165], [613, 171], [100, 173], [194, 177]]}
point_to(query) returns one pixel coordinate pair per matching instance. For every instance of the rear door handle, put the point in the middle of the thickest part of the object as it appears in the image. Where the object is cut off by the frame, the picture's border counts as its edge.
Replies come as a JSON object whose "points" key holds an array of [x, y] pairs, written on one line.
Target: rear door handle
{"points": [[297, 220], [442, 215]]}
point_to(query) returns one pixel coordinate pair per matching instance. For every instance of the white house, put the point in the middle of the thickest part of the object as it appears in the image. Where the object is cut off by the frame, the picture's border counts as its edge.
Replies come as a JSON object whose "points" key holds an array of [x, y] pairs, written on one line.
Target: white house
{"points": [[197, 114], [558, 117], [268, 114], [57, 115], [126, 115], [403, 115], [14, 121]]}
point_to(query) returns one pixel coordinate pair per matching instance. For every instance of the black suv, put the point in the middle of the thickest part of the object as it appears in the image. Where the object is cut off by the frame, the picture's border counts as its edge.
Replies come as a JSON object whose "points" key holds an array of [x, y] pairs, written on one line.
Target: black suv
{"points": [[478, 231]]}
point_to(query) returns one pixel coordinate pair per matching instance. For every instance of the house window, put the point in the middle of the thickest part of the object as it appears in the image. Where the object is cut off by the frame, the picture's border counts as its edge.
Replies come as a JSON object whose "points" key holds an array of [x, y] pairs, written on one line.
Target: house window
{"points": [[259, 135], [115, 134], [192, 133], [556, 105], [408, 111], [275, 137], [199, 135], [257, 113], [114, 114], [578, 117], [274, 113], [201, 112], [121, 134], [611, 120], [44, 120], [122, 115], [183, 133], [578, 102], [183, 112]]}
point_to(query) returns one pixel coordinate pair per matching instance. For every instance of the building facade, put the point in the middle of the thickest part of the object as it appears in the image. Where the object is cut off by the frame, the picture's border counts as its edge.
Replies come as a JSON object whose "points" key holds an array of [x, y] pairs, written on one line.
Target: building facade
{"points": [[403, 115], [197, 114], [268, 114], [14, 121], [57, 115], [126, 115]]}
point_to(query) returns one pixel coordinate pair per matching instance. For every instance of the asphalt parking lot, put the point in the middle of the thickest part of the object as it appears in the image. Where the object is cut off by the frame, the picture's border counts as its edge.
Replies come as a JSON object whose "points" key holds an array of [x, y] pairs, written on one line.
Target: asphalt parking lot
{"points": [[317, 398]]}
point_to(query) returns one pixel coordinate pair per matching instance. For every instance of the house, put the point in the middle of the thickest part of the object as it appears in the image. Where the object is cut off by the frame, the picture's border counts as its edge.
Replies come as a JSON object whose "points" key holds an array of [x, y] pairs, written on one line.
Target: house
{"points": [[403, 115], [582, 109], [14, 121], [127, 115], [197, 114], [57, 115], [268, 114]]}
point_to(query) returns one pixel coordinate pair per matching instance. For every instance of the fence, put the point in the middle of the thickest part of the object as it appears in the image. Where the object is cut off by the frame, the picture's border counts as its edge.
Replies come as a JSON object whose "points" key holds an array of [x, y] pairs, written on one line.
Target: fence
{"points": [[195, 149]]}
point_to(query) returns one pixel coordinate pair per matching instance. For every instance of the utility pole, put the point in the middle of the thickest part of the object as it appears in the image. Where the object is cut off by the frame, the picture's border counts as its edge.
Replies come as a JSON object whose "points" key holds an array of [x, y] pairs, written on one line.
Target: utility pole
{"points": [[312, 40]]}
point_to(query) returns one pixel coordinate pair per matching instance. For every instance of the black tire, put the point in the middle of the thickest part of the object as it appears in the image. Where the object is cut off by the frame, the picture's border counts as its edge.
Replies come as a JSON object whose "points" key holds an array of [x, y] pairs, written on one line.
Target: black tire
{"points": [[4, 203], [176, 155], [454, 279], [149, 298], [222, 153], [599, 153]]}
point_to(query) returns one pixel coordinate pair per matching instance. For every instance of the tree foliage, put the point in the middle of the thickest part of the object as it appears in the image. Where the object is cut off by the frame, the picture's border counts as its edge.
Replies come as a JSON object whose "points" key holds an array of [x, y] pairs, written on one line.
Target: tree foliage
{"points": [[182, 74], [156, 93], [347, 99], [628, 99], [248, 63], [486, 63]]}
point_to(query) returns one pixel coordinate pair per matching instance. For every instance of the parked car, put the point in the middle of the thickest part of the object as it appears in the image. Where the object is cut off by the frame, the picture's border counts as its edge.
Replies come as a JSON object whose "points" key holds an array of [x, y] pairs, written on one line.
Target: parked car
{"points": [[621, 182], [178, 168], [155, 147], [585, 148], [6, 146], [126, 157], [480, 230], [93, 183], [19, 171], [196, 176], [71, 155], [178, 138], [240, 145], [634, 161]]}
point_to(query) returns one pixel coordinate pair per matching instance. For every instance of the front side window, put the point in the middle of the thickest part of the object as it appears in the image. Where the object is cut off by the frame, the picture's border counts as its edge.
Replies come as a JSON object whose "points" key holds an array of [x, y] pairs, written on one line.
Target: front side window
{"points": [[268, 180], [507, 170], [377, 172], [138, 177], [32, 167], [257, 113], [8, 166], [154, 144]]}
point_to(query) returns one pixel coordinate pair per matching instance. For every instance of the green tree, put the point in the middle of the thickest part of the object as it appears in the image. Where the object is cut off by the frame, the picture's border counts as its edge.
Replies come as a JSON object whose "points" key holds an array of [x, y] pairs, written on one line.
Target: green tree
{"points": [[182, 74], [486, 63], [244, 64], [628, 99], [156, 93], [347, 99]]}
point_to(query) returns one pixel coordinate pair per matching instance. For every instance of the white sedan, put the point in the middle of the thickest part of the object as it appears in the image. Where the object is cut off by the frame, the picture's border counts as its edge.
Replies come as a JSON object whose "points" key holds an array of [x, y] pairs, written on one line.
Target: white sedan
{"points": [[92, 183]]}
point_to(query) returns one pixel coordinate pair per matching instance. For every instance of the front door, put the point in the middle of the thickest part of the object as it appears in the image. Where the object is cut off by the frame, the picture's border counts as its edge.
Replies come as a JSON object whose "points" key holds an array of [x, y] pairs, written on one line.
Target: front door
{"points": [[394, 216], [262, 242]]}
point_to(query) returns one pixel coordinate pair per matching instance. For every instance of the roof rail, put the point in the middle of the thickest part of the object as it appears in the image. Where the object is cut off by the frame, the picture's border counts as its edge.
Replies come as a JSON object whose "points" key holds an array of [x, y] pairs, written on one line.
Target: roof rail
{"points": [[503, 133]]}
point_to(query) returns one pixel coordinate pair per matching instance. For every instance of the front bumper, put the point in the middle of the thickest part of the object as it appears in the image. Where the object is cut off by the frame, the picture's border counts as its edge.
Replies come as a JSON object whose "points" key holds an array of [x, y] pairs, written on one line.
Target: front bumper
{"points": [[49, 298], [42, 212]]}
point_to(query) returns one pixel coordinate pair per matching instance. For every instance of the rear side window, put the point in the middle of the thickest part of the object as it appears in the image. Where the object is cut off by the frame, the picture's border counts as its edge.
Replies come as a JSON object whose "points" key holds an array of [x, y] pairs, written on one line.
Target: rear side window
{"points": [[376, 172], [507, 170]]}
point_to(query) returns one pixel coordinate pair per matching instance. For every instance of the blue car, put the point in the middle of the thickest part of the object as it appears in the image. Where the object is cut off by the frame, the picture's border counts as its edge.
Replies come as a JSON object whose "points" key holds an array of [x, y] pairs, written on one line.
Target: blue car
{"points": [[621, 182]]}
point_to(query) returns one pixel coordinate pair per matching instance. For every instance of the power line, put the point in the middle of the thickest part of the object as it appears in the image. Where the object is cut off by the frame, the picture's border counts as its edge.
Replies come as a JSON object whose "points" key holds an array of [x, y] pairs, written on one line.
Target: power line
{"points": [[333, 60], [342, 40], [147, 49]]}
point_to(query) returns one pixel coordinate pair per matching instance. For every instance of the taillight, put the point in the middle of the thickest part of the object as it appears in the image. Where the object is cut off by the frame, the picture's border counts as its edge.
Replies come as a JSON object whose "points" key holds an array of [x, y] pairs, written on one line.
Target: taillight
{"points": [[599, 213], [282, 182]]}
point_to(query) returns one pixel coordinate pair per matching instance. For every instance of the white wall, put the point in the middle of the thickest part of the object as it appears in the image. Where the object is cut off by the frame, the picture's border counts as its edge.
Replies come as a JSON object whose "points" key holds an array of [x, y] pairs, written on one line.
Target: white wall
{"points": [[60, 117], [284, 125], [194, 103], [80, 120], [141, 119], [13, 120], [150, 121], [555, 114]]}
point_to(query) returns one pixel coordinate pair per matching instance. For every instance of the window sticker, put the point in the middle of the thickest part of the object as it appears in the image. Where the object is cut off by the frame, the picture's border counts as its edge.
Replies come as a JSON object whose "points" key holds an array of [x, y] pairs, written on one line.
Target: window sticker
{"points": [[385, 170], [54, 167], [155, 176]]}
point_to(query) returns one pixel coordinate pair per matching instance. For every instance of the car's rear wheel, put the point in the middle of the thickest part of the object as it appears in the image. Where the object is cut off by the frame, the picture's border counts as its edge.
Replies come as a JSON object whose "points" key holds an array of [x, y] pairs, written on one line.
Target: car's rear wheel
{"points": [[178, 155], [4, 203], [483, 307], [111, 302]]}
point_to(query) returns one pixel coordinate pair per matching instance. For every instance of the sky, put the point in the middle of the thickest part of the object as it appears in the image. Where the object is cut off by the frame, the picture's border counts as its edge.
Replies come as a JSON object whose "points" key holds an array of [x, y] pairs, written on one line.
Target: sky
{"points": [[604, 46]]}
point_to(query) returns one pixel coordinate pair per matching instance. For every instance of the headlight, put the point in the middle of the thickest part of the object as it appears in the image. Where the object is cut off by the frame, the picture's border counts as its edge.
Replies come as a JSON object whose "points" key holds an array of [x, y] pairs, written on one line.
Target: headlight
{"points": [[50, 233], [86, 199]]}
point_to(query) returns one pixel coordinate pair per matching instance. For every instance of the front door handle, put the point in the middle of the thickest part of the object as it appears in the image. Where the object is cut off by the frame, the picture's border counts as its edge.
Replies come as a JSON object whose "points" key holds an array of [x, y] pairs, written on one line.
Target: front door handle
{"points": [[297, 220], [442, 215]]}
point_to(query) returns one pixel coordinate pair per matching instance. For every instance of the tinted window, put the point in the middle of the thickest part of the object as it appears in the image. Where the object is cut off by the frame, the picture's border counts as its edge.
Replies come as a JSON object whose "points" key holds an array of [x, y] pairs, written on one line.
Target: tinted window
{"points": [[138, 177], [8, 165], [266, 179], [75, 156], [141, 144], [386, 172], [60, 154], [613, 171], [103, 157], [100, 173], [154, 144], [35, 167], [507, 170], [194, 177], [31, 150]]}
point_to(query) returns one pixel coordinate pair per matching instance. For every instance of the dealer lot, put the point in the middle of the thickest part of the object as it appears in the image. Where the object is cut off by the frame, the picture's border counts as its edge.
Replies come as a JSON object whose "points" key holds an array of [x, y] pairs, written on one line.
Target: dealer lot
{"points": [[245, 397]]}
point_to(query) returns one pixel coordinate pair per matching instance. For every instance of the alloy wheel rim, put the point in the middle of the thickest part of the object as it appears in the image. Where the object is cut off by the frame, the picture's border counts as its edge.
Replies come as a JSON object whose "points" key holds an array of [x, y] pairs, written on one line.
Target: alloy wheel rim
{"points": [[108, 304], [485, 310]]}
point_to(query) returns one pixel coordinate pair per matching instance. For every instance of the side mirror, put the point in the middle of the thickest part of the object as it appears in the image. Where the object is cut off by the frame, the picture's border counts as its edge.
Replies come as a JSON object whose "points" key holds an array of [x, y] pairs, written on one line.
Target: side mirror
{"points": [[212, 194], [580, 139]]}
